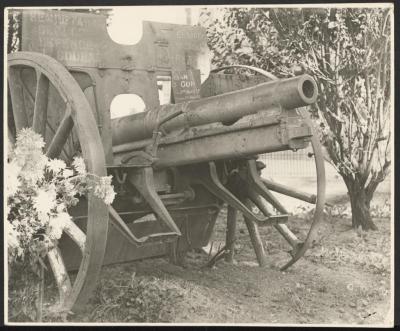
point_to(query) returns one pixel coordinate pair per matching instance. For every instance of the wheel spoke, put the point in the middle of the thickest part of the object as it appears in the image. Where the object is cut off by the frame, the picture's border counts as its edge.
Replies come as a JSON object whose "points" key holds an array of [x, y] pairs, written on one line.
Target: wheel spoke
{"points": [[60, 273], [40, 108], [288, 235], [274, 201], [54, 132], [230, 234], [61, 135], [76, 234], [283, 229], [286, 190], [11, 140], [70, 145], [17, 99], [255, 237]]}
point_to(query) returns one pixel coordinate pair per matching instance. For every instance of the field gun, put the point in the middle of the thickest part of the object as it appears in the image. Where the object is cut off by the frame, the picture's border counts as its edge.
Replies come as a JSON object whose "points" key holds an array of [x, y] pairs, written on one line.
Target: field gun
{"points": [[175, 163]]}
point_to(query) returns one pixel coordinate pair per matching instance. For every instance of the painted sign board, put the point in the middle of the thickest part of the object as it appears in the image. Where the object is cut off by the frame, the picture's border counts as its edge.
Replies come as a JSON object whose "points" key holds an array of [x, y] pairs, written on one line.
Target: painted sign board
{"points": [[186, 85]]}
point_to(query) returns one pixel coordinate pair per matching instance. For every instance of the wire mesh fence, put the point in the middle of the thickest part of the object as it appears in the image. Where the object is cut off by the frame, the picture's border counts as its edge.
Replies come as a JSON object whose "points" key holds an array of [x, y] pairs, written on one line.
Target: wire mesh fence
{"points": [[289, 164]]}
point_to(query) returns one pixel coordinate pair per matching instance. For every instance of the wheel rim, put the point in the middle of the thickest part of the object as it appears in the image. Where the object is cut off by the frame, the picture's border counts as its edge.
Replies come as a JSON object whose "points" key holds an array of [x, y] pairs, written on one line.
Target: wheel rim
{"points": [[320, 203], [320, 171], [54, 85]]}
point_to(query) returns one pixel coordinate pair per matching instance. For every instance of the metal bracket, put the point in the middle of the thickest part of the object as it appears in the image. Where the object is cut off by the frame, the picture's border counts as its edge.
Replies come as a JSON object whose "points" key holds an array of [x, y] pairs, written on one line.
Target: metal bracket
{"points": [[293, 132], [259, 187], [138, 159], [208, 177], [121, 227], [153, 147], [256, 183], [120, 176], [143, 180]]}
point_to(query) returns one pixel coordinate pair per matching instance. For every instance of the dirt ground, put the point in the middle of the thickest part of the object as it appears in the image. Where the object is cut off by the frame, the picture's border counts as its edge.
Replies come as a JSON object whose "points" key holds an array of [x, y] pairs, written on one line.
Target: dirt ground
{"points": [[344, 279]]}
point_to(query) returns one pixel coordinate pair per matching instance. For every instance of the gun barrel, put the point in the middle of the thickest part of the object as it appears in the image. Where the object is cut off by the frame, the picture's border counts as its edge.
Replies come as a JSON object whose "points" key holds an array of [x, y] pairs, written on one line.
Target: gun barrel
{"points": [[287, 93]]}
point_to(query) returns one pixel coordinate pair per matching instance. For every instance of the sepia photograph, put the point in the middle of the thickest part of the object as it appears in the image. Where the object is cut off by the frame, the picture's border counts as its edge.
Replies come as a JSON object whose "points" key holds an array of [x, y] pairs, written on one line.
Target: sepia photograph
{"points": [[199, 165]]}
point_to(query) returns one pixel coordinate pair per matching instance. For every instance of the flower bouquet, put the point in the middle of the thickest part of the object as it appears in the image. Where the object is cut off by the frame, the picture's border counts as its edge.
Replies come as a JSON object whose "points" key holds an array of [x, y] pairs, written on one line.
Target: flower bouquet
{"points": [[39, 191]]}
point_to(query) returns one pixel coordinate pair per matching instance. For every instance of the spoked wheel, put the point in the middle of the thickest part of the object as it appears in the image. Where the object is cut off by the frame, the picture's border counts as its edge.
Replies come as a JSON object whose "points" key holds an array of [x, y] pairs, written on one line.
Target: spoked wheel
{"points": [[299, 247], [318, 200], [45, 97], [263, 189]]}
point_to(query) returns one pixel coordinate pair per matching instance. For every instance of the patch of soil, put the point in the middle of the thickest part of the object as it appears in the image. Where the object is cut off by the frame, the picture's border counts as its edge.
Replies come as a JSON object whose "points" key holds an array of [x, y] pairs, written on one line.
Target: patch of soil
{"points": [[344, 279]]}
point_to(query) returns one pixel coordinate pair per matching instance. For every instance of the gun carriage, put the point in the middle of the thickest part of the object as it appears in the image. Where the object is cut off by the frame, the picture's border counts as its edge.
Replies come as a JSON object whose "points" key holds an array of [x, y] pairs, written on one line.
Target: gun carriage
{"points": [[180, 160]]}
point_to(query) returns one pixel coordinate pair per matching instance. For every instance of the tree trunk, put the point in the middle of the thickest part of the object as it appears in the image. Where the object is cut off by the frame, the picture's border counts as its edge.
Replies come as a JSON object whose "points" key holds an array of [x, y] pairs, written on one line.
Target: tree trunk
{"points": [[360, 206]]}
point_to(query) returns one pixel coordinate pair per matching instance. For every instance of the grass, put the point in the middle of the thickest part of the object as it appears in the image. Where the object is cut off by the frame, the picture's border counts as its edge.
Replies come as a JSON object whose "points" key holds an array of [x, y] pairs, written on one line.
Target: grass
{"points": [[139, 299], [22, 298]]}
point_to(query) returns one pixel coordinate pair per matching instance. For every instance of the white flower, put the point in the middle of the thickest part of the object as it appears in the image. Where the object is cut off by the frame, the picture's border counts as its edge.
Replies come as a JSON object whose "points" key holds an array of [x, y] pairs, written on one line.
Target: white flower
{"points": [[104, 190], [57, 224], [39, 191], [105, 180], [109, 196], [79, 165], [67, 173], [44, 202], [60, 207], [12, 181], [29, 156], [70, 188], [56, 165], [29, 139], [33, 169]]}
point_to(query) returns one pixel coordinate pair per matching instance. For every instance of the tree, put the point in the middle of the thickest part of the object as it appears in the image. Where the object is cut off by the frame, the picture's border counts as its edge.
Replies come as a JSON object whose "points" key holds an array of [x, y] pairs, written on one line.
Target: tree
{"points": [[13, 31], [347, 51]]}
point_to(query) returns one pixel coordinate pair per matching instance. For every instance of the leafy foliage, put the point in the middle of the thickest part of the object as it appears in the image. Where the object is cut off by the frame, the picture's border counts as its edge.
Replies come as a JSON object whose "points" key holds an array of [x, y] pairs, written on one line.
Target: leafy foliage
{"points": [[347, 50], [13, 31]]}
